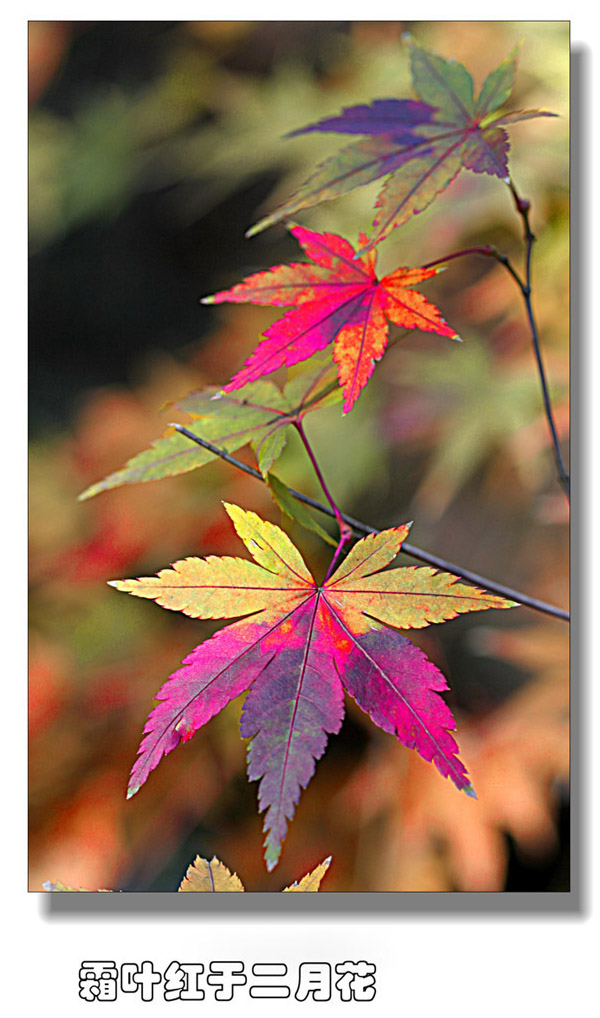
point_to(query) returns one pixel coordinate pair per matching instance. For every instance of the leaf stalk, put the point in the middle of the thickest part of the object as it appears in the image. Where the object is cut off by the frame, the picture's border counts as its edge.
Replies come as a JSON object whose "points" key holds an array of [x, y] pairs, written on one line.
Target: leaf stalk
{"points": [[345, 528]]}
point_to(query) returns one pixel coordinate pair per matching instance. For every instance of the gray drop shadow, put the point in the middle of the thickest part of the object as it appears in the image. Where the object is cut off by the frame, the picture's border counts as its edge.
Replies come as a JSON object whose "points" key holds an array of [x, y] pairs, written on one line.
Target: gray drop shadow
{"points": [[579, 453], [495, 907]]}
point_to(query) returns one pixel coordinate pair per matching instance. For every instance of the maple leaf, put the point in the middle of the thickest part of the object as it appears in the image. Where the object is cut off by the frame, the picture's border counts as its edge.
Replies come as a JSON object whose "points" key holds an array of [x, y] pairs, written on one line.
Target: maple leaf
{"points": [[302, 644], [210, 877], [422, 145], [258, 414], [338, 299], [214, 876], [311, 881]]}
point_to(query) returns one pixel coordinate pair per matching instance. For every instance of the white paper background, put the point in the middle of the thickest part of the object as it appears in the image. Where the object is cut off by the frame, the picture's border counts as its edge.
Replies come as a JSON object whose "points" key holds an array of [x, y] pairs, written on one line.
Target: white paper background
{"points": [[428, 963]]}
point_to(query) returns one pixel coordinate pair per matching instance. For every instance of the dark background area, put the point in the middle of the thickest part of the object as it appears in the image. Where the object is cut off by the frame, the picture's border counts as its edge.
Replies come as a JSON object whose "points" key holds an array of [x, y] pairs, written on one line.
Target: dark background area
{"points": [[131, 270]]}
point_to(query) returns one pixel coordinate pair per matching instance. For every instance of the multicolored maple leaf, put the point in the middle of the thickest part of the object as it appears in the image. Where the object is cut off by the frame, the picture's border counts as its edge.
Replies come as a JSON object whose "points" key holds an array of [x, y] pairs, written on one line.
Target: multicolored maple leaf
{"points": [[338, 298], [420, 145], [259, 415], [302, 645]]}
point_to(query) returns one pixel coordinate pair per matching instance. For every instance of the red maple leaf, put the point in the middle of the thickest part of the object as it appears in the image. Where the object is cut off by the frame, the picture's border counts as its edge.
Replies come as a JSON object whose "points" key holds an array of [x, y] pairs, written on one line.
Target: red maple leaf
{"points": [[338, 298]]}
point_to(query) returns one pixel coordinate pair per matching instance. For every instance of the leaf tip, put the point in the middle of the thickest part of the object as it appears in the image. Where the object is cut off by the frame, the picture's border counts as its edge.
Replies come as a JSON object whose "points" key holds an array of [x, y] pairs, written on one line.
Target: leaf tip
{"points": [[208, 300], [349, 403], [114, 583], [470, 791], [132, 790], [272, 852], [361, 251], [253, 230]]}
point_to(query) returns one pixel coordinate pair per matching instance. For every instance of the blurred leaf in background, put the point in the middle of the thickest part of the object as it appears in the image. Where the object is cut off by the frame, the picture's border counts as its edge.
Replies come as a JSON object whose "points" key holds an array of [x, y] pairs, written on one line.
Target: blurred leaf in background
{"points": [[476, 404], [518, 755]]}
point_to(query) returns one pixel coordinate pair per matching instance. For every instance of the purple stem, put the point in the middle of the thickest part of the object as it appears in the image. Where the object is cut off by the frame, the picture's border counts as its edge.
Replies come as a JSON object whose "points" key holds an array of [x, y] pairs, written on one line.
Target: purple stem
{"points": [[345, 530], [489, 251]]}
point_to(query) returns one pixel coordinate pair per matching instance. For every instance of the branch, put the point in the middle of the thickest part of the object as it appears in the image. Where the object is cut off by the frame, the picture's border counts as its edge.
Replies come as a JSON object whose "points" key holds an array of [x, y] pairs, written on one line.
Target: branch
{"points": [[408, 549], [523, 206], [489, 251]]}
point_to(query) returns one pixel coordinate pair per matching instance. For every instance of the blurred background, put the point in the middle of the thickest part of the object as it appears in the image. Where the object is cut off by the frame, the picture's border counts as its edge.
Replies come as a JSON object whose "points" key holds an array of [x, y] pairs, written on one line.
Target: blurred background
{"points": [[153, 147]]}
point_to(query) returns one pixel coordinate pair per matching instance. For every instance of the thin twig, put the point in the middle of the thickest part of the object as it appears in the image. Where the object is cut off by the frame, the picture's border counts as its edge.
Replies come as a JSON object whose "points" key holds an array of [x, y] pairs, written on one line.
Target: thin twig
{"points": [[489, 251], [523, 207], [320, 478], [409, 549], [345, 529]]}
